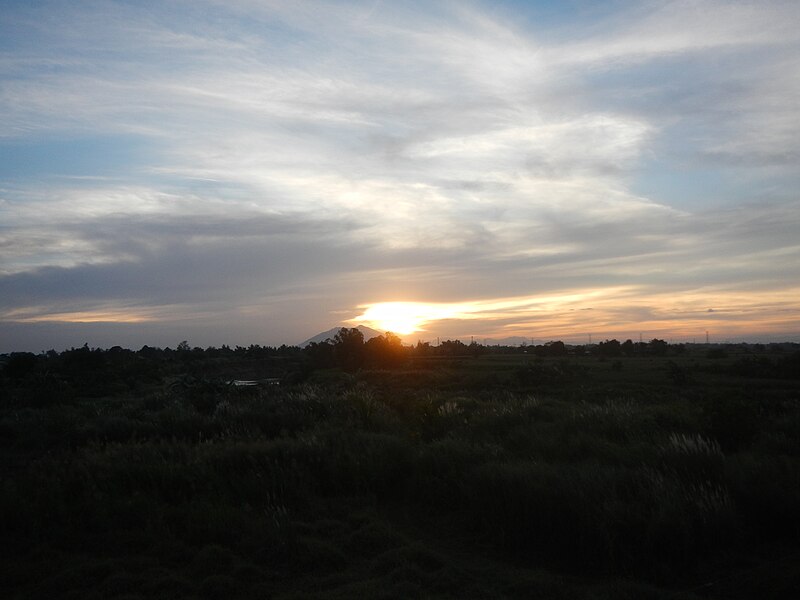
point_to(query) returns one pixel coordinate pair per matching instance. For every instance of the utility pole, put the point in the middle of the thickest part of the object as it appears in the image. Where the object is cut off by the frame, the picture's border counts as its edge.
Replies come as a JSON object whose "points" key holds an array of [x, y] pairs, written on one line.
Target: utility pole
{"points": [[706, 337]]}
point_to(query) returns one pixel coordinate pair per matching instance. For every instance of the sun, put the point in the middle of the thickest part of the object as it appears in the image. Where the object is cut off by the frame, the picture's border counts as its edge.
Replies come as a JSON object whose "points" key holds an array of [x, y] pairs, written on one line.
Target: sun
{"points": [[402, 318]]}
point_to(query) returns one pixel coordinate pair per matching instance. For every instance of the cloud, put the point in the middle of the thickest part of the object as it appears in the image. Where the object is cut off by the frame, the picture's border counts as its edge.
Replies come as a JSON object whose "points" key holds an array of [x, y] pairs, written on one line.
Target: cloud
{"points": [[345, 153], [615, 312]]}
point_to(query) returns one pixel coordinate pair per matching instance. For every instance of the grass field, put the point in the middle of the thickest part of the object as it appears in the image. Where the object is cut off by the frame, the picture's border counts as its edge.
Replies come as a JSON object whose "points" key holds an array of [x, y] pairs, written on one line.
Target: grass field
{"points": [[497, 476]]}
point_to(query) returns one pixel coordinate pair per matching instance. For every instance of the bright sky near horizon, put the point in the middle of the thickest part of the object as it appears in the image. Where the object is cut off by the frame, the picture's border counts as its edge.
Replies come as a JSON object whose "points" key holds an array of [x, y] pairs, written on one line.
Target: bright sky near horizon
{"points": [[247, 171]]}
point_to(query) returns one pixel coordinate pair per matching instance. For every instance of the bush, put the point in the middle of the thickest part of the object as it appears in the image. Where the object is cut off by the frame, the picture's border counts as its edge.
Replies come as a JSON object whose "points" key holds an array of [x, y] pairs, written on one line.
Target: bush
{"points": [[767, 492], [595, 517], [20, 365], [732, 421], [678, 374]]}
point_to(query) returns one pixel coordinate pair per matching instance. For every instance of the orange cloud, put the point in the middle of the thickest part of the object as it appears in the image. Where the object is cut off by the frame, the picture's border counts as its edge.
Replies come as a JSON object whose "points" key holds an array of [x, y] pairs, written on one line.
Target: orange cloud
{"points": [[610, 312]]}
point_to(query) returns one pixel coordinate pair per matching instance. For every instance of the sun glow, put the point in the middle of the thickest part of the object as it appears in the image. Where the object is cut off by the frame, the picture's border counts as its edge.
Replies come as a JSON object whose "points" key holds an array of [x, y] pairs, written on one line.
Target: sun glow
{"points": [[613, 311], [402, 318]]}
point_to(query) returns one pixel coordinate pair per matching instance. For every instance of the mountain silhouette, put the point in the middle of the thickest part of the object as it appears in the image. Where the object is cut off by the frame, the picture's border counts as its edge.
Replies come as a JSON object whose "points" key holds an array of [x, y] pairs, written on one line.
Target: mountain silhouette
{"points": [[368, 333]]}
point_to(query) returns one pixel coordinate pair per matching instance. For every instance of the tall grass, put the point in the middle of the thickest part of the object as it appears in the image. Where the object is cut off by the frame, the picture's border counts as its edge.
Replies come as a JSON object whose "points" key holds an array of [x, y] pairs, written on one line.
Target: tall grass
{"points": [[235, 488]]}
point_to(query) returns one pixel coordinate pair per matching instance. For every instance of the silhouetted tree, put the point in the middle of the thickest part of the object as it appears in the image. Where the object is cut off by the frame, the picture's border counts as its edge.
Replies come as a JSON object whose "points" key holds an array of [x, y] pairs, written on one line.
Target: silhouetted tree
{"points": [[320, 354], [658, 347], [20, 365], [385, 351], [423, 349], [348, 349], [609, 348], [453, 348], [557, 348], [83, 362], [476, 349]]}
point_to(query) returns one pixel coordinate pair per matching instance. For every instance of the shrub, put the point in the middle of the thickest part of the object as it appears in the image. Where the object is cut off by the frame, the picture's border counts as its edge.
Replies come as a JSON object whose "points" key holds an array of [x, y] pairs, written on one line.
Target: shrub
{"points": [[732, 421], [767, 493], [678, 374], [590, 516], [20, 365]]}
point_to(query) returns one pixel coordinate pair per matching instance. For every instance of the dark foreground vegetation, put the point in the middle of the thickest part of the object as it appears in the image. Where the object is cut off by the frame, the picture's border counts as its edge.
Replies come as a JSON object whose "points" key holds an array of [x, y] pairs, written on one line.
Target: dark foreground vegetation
{"points": [[614, 471]]}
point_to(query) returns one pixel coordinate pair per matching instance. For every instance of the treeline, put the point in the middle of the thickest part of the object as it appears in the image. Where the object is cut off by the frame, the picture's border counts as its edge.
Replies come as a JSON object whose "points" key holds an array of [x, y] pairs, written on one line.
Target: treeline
{"points": [[37, 379], [349, 351], [98, 372]]}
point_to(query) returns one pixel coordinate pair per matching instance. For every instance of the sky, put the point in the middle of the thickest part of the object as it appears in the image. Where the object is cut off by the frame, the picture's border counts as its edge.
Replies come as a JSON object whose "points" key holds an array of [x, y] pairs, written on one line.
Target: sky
{"points": [[254, 172]]}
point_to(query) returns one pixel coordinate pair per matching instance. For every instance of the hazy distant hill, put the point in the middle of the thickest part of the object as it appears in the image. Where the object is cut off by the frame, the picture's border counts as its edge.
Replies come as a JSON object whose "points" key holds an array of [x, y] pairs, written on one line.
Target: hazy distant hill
{"points": [[368, 332], [509, 341]]}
